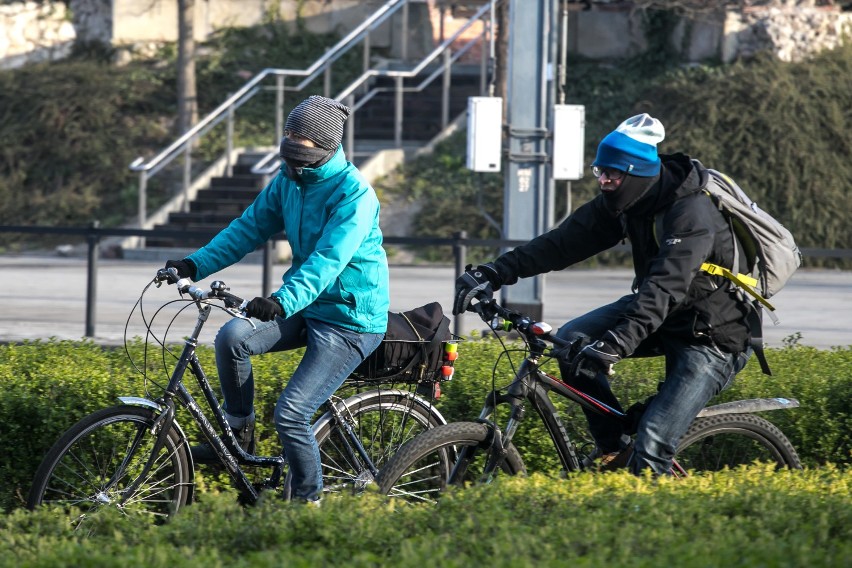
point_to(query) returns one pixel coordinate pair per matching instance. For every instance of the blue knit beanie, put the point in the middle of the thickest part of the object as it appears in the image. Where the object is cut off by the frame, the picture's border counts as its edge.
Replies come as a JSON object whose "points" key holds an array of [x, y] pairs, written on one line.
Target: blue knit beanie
{"points": [[632, 147]]}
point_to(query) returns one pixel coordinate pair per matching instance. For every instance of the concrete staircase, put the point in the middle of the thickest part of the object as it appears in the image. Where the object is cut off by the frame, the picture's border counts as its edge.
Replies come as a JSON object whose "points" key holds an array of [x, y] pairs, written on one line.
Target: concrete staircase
{"points": [[226, 197]]}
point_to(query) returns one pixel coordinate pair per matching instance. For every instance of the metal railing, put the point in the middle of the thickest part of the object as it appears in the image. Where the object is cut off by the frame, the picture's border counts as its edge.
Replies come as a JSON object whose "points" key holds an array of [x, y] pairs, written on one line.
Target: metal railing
{"points": [[459, 243], [226, 112]]}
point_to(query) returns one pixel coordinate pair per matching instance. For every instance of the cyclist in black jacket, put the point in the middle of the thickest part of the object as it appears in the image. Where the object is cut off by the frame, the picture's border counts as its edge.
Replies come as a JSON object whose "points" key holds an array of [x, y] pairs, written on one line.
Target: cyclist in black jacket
{"points": [[696, 320]]}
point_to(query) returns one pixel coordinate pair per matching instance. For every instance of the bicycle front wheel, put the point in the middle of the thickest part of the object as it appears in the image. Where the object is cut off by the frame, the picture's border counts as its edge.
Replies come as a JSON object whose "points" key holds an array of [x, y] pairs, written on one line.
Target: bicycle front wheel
{"points": [[382, 421], [423, 468], [727, 441], [98, 464]]}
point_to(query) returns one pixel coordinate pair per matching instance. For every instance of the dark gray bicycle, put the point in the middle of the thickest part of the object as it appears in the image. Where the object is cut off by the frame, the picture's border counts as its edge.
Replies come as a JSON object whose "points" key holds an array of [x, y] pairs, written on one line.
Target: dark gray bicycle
{"points": [[724, 435], [135, 458]]}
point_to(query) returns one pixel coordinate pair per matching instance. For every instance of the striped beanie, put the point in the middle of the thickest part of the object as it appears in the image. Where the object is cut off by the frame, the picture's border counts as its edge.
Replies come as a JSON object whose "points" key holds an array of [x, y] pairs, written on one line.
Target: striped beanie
{"points": [[632, 147], [320, 120]]}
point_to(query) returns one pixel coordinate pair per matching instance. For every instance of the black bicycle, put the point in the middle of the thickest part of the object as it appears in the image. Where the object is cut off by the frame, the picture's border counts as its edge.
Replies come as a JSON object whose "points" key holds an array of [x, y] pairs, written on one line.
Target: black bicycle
{"points": [[724, 435], [135, 457]]}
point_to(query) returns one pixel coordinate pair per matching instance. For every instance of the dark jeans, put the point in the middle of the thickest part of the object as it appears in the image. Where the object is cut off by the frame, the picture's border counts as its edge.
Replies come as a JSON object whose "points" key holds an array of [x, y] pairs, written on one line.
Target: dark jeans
{"points": [[696, 371]]}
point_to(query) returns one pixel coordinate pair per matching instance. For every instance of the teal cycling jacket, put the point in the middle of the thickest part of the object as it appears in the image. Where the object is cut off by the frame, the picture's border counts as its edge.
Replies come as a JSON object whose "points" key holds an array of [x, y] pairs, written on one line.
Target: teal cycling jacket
{"points": [[330, 214]]}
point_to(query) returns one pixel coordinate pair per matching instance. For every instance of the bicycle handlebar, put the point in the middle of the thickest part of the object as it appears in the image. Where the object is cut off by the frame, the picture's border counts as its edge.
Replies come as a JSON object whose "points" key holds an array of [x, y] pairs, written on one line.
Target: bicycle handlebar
{"points": [[218, 290], [500, 318]]}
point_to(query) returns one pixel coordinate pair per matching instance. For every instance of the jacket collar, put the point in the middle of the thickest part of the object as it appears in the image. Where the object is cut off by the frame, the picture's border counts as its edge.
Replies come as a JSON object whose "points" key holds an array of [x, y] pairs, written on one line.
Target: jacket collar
{"points": [[679, 176], [333, 166]]}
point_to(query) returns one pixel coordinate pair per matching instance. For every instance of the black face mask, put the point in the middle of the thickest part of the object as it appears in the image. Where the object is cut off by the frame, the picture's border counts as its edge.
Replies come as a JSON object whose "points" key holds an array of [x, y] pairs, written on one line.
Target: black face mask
{"points": [[628, 193], [299, 156]]}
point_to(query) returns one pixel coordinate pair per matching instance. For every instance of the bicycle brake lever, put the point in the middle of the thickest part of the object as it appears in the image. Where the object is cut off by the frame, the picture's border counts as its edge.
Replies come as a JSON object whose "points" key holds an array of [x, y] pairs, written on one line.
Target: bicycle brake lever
{"points": [[242, 315]]}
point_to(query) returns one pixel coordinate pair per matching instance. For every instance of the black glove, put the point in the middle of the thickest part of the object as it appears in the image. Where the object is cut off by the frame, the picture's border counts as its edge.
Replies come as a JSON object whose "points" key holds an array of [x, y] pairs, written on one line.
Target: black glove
{"points": [[598, 356], [185, 268], [264, 309], [479, 282]]}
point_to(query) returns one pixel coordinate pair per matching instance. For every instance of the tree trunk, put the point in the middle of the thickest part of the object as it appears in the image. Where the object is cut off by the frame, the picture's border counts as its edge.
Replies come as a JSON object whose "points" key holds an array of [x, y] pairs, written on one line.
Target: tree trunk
{"points": [[186, 96], [501, 52]]}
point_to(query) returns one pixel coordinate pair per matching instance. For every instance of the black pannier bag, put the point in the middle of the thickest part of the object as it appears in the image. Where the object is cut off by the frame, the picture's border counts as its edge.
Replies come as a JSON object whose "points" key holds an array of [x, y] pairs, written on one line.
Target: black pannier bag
{"points": [[413, 348]]}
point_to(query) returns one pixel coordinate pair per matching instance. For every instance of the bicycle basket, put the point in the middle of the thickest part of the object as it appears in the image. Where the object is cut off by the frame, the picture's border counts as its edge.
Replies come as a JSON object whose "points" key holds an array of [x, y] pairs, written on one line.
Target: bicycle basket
{"points": [[401, 361], [417, 347]]}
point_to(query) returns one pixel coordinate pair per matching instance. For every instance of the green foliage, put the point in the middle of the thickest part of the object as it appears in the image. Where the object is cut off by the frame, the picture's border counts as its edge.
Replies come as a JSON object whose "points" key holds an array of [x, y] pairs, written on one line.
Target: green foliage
{"points": [[50, 385], [750, 517], [775, 127], [68, 133], [69, 130]]}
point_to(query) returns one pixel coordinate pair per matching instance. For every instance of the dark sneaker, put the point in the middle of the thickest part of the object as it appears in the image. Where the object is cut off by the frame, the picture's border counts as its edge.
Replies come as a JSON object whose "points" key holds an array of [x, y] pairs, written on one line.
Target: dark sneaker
{"points": [[615, 460], [204, 453]]}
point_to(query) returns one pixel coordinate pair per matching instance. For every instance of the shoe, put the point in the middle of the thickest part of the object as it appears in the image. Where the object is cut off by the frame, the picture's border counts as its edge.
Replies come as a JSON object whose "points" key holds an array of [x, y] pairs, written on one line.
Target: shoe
{"points": [[205, 454], [616, 460]]}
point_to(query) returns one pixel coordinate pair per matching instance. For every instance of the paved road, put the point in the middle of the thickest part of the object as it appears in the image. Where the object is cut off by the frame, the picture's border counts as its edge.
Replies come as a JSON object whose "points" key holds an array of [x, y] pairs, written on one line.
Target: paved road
{"points": [[45, 297]]}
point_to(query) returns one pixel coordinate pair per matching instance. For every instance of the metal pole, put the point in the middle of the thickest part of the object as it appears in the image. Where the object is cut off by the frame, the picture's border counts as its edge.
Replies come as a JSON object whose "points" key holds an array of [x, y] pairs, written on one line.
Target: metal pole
{"points": [[187, 174], [267, 268], [229, 143], [445, 90], [279, 109], [397, 119], [92, 278], [143, 209], [326, 86], [460, 254], [350, 130]]}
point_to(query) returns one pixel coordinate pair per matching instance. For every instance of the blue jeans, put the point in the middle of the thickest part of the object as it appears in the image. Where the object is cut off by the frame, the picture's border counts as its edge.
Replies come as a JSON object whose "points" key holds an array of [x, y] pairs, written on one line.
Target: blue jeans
{"points": [[696, 371], [331, 354]]}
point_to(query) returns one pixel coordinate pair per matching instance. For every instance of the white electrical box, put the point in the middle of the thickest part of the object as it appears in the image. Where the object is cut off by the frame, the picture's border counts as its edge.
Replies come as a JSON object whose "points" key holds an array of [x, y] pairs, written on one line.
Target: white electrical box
{"points": [[484, 133], [569, 132]]}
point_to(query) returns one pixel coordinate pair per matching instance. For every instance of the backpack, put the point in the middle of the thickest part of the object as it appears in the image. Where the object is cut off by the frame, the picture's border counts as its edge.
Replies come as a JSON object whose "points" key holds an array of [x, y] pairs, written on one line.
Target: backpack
{"points": [[771, 252], [412, 350]]}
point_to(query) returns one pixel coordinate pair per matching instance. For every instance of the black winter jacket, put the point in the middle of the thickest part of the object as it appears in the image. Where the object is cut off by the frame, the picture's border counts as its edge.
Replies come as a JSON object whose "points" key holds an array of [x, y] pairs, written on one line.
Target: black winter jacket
{"points": [[671, 294]]}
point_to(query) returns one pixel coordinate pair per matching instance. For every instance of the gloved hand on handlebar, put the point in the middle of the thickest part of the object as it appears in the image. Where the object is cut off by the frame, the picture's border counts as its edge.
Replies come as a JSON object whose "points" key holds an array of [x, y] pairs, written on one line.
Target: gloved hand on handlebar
{"points": [[185, 268], [264, 309], [597, 356], [479, 282]]}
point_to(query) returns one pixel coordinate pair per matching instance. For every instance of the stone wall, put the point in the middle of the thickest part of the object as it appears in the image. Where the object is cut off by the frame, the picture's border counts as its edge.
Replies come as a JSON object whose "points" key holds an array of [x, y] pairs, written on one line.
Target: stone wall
{"points": [[33, 32], [790, 31]]}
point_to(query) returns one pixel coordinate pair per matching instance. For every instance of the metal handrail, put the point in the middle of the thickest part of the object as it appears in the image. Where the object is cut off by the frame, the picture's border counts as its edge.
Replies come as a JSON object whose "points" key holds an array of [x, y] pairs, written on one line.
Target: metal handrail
{"points": [[310, 74], [225, 112]]}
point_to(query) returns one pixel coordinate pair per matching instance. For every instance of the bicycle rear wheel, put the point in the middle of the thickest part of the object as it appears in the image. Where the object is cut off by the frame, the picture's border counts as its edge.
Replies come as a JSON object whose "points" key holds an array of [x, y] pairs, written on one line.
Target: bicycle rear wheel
{"points": [[725, 441], [422, 469], [89, 469], [382, 421]]}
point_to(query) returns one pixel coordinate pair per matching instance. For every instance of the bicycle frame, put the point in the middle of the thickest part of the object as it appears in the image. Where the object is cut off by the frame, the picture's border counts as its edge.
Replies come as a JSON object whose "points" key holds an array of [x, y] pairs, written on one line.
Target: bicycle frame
{"points": [[531, 385], [226, 447], [230, 453]]}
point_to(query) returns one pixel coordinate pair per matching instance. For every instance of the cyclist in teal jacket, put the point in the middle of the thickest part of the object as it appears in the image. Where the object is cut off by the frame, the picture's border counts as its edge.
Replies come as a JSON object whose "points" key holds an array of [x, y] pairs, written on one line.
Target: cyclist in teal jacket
{"points": [[333, 299]]}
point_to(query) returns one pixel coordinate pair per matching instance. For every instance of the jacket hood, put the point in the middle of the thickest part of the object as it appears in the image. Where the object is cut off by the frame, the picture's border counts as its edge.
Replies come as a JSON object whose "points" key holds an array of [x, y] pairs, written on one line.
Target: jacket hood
{"points": [[679, 176]]}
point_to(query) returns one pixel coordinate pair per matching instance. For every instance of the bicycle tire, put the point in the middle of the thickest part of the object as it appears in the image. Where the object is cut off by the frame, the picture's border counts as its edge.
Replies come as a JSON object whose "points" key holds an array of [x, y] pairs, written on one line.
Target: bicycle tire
{"points": [[383, 421], [421, 469], [90, 465], [714, 443]]}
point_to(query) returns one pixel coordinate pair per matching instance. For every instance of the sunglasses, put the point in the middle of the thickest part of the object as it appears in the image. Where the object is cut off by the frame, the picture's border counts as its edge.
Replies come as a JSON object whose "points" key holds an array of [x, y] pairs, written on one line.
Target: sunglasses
{"points": [[611, 174]]}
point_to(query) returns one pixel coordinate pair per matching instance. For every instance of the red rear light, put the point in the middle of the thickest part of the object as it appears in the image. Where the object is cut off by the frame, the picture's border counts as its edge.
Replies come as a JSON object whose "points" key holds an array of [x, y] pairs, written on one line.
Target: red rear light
{"points": [[540, 328]]}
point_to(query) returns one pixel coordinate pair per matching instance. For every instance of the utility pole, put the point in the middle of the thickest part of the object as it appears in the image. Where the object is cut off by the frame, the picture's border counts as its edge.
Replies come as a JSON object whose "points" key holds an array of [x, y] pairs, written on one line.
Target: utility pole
{"points": [[531, 90]]}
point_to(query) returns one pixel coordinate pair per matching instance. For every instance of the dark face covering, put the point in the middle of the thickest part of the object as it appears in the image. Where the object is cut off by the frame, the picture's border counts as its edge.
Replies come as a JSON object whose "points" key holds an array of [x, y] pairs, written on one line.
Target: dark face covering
{"points": [[632, 189], [299, 156]]}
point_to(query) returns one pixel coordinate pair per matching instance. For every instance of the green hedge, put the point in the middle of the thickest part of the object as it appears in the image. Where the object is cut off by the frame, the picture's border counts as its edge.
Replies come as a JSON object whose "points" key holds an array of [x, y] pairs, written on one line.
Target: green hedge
{"points": [[753, 517], [47, 386]]}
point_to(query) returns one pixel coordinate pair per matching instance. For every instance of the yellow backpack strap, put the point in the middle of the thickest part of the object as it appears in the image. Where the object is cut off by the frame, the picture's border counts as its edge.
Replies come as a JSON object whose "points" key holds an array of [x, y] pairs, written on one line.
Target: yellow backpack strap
{"points": [[744, 281]]}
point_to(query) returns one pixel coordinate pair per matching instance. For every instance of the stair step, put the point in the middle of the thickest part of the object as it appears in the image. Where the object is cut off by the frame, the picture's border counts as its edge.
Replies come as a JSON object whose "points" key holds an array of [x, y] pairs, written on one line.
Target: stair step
{"points": [[242, 194], [236, 181], [184, 220], [230, 206]]}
